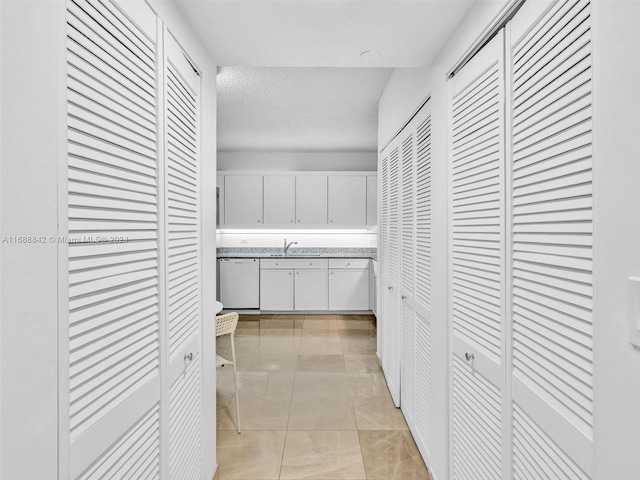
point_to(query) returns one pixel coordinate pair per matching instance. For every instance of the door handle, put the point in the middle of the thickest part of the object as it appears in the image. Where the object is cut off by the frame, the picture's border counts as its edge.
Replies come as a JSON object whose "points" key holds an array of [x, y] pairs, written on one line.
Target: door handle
{"points": [[469, 356]]}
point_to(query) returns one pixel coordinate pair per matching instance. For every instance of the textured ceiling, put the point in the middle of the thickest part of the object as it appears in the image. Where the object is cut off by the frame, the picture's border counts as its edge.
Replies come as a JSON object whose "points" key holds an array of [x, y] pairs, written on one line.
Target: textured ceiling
{"points": [[299, 108]]}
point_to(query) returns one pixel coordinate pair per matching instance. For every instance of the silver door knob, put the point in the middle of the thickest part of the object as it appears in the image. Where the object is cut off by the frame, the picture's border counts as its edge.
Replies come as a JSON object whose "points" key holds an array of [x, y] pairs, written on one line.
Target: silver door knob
{"points": [[469, 356], [188, 357], [404, 297], [390, 288]]}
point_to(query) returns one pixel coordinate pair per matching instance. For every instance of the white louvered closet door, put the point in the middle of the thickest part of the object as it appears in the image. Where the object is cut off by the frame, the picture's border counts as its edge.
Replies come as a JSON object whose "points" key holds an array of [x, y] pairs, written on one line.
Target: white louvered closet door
{"points": [[407, 278], [476, 166], [183, 276], [393, 332], [384, 254], [112, 428], [422, 301], [551, 224]]}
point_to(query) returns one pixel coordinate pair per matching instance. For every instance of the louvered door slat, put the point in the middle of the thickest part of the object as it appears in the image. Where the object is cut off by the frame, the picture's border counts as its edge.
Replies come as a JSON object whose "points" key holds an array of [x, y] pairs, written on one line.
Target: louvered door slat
{"points": [[112, 285], [183, 305], [552, 244], [477, 257], [136, 455]]}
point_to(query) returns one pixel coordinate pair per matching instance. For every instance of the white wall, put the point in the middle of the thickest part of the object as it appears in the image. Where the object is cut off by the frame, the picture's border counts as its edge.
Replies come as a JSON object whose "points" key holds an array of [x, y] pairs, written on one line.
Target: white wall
{"points": [[406, 90], [288, 160], [616, 127], [32, 44]]}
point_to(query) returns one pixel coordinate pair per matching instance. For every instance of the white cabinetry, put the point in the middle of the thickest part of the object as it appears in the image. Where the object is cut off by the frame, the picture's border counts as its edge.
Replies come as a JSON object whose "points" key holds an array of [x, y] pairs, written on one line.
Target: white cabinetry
{"points": [[311, 199], [347, 200], [279, 199], [310, 289], [243, 199], [349, 284], [293, 284], [276, 289], [298, 200]]}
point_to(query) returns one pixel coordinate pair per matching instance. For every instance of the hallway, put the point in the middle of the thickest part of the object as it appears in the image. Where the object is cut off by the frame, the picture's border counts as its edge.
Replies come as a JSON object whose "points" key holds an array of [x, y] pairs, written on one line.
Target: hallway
{"points": [[313, 403]]}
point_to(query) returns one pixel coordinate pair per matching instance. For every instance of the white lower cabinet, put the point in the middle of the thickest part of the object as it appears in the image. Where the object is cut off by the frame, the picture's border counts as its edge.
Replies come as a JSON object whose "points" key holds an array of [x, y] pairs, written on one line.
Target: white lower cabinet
{"points": [[315, 284], [349, 284], [310, 289], [276, 289]]}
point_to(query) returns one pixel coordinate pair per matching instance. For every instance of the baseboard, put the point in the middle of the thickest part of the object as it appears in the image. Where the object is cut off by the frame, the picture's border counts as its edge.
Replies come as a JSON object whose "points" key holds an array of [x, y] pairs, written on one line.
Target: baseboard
{"points": [[215, 475]]}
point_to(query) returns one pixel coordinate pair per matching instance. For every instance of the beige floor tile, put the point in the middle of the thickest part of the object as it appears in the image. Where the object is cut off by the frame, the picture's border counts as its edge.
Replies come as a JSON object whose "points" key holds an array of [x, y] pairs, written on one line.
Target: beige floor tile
{"points": [[321, 413], [280, 385], [392, 455], [362, 364], [250, 384], [319, 346], [321, 364], [279, 345], [250, 455], [358, 342], [331, 386], [328, 455], [378, 413], [355, 322], [371, 385], [320, 322], [257, 413], [274, 364]]}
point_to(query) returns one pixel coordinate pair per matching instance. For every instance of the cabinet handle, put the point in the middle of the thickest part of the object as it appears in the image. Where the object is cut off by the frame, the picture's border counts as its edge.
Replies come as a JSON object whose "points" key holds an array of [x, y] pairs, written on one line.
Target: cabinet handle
{"points": [[469, 356], [330, 221], [188, 357], [297, 273], [290, 221], [259, 221], [404, 297], [390, 287], [289, 273], [298, 221]]}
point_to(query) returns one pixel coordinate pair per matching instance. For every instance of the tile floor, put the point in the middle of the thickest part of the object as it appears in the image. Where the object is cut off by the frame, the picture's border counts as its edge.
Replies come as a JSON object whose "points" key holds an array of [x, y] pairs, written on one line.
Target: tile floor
{"points": [[314, 404]]}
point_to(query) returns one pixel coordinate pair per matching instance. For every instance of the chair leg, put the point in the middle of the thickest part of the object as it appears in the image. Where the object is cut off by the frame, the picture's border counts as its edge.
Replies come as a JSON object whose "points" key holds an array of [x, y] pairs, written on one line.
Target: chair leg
{"points": [[235, 382]]}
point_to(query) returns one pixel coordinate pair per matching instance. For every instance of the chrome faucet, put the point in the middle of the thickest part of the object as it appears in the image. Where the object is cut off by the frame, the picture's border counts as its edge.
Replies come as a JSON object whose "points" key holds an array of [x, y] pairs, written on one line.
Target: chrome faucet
{"points": [[287, 245]]}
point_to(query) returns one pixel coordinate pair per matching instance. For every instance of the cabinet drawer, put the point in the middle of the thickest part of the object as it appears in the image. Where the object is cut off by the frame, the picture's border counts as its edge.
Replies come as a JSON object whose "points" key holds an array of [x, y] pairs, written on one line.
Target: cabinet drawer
{"points": [[294, 263], [349, 263]]}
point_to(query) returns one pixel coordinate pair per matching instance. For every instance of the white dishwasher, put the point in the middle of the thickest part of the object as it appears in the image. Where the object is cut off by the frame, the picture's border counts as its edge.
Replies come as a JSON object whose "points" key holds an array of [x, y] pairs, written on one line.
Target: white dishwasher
{"points": [[239, 283]]}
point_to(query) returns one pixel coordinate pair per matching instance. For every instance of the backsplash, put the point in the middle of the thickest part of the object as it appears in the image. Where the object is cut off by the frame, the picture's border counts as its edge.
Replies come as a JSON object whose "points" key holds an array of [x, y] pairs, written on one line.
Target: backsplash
{"points": [[305, 240]]}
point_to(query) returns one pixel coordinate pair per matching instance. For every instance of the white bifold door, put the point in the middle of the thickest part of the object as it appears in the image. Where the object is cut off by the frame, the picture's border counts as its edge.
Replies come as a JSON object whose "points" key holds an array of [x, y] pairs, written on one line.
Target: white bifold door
{"points": [[405, 320], [521, 227], [130, 363]]}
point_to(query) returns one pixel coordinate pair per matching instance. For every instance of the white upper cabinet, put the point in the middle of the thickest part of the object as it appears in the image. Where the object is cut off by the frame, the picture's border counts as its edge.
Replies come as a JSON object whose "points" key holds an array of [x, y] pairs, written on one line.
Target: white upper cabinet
{"points": [[279, 199], [243, 199], [303, 199], [372, 199], [347, 200], [311, 199]]}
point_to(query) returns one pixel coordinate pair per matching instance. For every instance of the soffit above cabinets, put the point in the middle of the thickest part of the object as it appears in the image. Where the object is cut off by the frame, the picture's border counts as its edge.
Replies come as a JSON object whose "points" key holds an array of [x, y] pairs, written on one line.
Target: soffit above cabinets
{"points": [[299, 108], [321, 33]]}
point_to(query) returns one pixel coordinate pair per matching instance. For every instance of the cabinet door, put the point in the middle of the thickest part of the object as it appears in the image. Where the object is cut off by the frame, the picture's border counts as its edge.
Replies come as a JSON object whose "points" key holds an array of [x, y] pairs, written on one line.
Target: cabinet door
{"points": [[276, 290], [347, 200], [349, 289], [243, 200], [279, 199], [372, 199], [311, 200], [311, 290]]}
